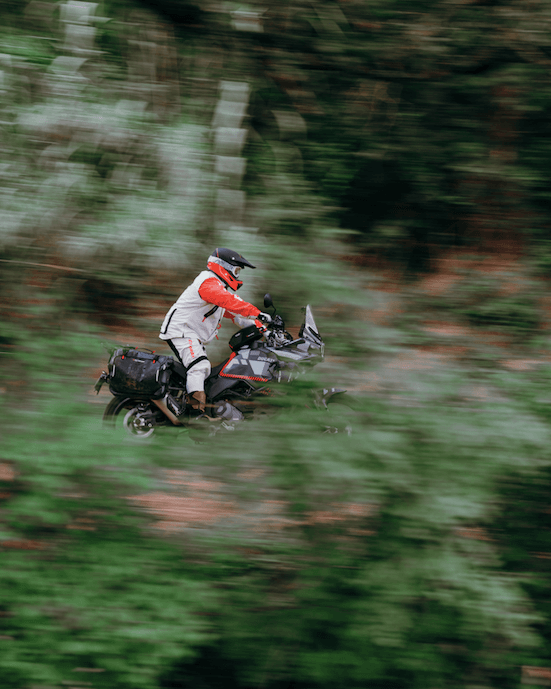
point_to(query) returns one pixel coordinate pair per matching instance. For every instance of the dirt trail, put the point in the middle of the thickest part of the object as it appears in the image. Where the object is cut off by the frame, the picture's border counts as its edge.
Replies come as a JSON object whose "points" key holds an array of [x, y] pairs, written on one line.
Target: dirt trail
{"points": [[187, 500]]}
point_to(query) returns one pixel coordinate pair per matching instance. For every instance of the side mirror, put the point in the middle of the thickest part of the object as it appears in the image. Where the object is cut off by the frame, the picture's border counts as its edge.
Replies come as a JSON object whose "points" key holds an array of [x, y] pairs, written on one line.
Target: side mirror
{"points": [[268, 303]]}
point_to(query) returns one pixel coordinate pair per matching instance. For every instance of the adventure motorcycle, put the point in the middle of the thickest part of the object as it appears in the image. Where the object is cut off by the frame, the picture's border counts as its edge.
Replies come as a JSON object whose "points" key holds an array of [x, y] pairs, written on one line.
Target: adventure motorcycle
{"points": [[150, 389]]}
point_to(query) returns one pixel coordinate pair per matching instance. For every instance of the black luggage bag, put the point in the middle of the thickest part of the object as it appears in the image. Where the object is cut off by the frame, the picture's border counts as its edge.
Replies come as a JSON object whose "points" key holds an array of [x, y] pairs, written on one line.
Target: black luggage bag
{"points": [[135, 373]]}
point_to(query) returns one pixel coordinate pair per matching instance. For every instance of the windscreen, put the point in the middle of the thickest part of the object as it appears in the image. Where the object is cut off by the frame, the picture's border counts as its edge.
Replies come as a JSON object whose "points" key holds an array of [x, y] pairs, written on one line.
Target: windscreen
{"points": [[309, 330]]}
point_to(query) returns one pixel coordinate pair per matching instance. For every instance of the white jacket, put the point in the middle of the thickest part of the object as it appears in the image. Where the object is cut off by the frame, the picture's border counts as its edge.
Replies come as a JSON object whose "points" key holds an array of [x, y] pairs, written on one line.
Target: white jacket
{"points": [[192, 316]]}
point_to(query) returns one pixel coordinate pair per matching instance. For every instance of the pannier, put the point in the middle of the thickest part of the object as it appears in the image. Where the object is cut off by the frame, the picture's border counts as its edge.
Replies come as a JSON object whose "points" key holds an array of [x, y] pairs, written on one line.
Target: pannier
{"points": [[139, 374]]}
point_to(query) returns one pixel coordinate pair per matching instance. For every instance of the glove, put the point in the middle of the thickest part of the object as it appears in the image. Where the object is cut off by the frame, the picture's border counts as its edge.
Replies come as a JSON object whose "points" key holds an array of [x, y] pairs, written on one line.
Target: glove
{"points": [[264, 317], [260, 325]]}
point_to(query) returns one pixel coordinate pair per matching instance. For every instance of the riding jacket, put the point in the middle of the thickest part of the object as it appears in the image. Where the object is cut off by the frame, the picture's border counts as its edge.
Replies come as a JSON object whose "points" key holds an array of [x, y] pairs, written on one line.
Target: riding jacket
{"points": [[198, 311]]}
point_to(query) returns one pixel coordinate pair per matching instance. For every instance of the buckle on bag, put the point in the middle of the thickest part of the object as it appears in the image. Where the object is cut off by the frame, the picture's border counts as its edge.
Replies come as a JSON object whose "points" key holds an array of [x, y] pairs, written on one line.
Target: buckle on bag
{"points": [[100, 381]]}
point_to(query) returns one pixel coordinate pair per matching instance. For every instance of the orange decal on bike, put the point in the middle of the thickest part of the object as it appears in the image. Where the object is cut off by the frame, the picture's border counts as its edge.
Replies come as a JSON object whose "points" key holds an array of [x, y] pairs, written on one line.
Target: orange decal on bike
{"points": [[230, 375]]}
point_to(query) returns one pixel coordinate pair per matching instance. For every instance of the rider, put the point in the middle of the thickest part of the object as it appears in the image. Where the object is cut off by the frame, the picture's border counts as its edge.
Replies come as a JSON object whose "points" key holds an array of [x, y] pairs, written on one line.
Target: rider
{"points": [[193, 320]]}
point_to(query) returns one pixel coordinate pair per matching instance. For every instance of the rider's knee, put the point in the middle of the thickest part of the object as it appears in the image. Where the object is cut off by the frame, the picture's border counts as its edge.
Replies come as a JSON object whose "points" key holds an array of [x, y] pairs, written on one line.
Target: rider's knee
{"points": [[196, 376]]}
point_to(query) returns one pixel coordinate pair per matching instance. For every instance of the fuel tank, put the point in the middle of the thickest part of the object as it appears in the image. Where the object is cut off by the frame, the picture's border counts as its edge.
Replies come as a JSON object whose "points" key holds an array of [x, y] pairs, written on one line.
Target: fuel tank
{"points": [[253, 365]]}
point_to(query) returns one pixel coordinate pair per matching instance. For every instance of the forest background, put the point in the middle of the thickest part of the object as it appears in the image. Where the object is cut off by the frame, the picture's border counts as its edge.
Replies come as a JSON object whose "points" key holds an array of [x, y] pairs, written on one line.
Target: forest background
{"points": [[386, 162]]}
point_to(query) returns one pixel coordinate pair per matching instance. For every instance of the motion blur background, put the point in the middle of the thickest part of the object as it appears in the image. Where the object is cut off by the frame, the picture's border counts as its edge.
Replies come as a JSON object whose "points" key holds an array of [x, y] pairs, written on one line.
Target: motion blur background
{"points": [[388, 163]]}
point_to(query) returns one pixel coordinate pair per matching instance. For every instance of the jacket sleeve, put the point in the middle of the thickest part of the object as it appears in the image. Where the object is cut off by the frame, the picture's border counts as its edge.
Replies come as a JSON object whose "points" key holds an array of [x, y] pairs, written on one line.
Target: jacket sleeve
{"points": [[213, 292]]}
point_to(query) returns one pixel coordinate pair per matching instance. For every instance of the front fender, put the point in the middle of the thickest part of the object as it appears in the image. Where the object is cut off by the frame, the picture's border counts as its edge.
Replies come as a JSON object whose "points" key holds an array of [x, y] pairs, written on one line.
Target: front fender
{"points": [[322, 397]]}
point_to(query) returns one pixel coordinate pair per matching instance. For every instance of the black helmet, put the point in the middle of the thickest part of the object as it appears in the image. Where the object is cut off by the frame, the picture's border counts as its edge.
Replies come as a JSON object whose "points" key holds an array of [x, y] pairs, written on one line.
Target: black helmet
{"points": [[231, 257], [227, 264]]}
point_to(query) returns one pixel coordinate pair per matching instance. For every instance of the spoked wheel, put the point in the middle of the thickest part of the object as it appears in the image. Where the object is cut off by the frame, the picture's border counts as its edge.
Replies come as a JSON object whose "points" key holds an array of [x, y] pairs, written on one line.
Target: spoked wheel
{"points": [[139, 419]]}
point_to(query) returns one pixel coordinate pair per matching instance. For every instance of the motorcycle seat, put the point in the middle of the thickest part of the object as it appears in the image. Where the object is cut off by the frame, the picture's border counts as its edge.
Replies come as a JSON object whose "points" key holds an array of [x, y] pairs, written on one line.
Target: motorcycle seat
{"points": [[216, 370]]}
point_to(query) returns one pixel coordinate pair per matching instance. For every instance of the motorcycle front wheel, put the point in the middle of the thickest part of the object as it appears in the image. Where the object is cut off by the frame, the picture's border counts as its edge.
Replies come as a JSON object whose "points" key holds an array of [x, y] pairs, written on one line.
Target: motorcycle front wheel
{"points": [[340, 417], [138, 418]]}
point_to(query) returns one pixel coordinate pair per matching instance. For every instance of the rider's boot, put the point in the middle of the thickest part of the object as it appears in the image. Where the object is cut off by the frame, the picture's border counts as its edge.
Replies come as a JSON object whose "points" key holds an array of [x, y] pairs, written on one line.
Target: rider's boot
{"points": [[197, 413], [200, 426]]}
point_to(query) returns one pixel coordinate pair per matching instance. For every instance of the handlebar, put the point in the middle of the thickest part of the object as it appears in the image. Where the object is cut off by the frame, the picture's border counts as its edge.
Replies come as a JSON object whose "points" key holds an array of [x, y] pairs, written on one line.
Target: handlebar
{"points": [[276, 335], [275, 330]]}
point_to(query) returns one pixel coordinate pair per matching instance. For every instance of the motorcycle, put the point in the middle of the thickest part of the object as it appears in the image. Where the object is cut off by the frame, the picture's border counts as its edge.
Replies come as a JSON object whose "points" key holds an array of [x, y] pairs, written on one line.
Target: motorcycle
{"points": [[150, 389]]}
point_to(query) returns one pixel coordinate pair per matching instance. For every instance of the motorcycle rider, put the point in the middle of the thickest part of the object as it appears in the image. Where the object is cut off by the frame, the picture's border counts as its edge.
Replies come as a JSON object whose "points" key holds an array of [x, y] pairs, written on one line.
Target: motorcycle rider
{"points": [[195, 317]]}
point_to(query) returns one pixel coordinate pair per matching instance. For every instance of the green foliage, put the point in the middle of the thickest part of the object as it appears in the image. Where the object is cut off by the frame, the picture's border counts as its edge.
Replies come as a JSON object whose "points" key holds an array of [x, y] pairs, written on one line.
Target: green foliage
{"points": [[408, 554], [89, 581], [35, 50], [480, 299], [520, 314], [115, 605], [481, 303], [372, 595]]}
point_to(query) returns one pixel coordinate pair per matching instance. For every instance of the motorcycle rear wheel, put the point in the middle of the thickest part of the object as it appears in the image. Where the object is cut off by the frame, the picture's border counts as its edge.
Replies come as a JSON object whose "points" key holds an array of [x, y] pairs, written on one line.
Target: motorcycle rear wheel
{"points": [[131, 415]]}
